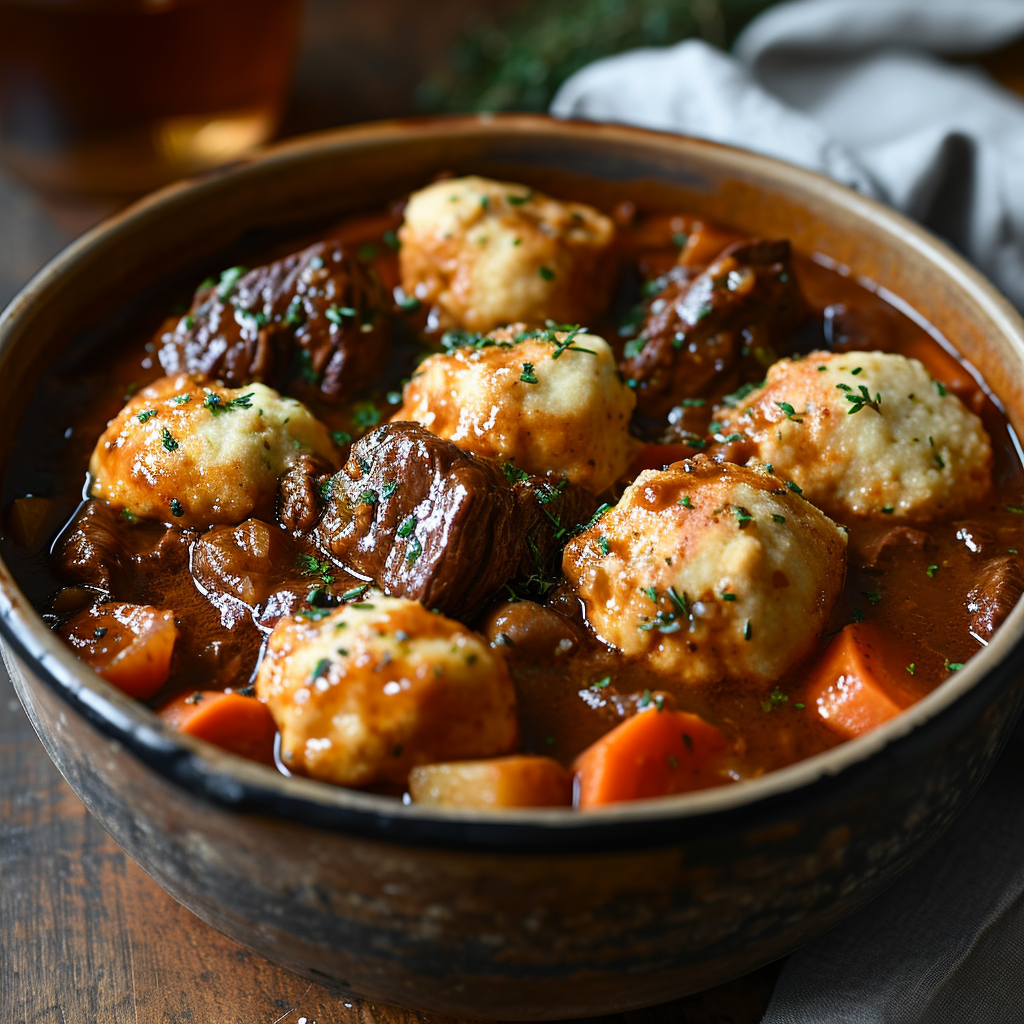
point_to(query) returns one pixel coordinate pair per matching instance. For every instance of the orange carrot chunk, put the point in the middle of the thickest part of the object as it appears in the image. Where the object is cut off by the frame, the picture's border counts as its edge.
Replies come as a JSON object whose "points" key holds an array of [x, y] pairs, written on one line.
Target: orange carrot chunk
{"points": [[240, 724], [654, 753], [130, 645], [851, 687], [521, 780]]}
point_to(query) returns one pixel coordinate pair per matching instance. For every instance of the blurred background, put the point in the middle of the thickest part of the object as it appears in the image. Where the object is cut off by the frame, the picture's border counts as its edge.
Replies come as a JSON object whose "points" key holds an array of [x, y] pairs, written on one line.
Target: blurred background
{"points": [[103, 100]]}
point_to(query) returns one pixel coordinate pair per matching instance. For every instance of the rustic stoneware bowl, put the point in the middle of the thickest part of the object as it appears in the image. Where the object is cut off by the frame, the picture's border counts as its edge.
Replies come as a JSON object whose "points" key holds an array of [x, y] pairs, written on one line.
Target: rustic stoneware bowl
{"points": [[530, 914]]}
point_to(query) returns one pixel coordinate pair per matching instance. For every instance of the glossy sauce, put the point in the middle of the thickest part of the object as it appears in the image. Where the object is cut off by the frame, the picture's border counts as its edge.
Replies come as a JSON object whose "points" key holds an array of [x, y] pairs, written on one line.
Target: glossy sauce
{"points": [[571, 688]]}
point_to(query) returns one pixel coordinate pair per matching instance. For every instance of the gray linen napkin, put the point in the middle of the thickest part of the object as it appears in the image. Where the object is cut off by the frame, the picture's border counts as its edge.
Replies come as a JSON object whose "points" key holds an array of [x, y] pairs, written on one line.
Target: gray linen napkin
{"points": [[855, 89], [852, 88]]}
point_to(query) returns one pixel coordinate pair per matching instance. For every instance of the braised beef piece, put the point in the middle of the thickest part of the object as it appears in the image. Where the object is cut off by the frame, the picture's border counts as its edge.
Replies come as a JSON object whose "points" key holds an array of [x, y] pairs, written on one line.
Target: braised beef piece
{"points": [[873, 551], [431, 522], [999, 587], [111, 554], [299, 493], [315, 322], [696, 330]]}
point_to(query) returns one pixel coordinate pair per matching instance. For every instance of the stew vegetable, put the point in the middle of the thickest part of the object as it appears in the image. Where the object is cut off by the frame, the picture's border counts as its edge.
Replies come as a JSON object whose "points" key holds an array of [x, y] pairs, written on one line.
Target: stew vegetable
{"points": [[496, 500]]}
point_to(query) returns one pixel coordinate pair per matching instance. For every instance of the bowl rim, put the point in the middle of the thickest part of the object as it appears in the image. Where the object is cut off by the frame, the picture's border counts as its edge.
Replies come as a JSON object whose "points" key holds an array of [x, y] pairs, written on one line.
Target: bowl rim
{"points": [[234, 783]]}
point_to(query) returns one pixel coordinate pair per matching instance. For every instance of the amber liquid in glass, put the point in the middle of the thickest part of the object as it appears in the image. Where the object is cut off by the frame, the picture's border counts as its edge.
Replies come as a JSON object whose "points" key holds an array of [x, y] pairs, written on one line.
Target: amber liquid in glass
{"points": [[114, 97]]}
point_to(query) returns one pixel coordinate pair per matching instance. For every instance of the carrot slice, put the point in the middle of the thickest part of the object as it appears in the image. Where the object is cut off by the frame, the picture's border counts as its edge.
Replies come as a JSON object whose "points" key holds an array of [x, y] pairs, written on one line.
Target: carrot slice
{"points": [[240, 724], [851, 686], [654, 753], [130, 645], [521, 780]]}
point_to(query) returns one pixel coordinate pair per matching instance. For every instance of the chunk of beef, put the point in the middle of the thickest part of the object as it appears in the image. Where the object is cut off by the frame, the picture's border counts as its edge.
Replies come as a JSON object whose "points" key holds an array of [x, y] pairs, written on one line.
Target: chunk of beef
{"points": [[299, 500], [999, 587], [109, 553], [431, 522], [696, 329], [872, 549], [315, 321]]}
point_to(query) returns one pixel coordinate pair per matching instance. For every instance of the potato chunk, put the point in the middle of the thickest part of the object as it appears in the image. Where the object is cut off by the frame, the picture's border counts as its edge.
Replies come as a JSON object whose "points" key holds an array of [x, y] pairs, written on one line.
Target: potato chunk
{"points": [[486, 253], [710, 570], [192, 453], [522, 780], [365, 692], [866, 435], [546, 401]]}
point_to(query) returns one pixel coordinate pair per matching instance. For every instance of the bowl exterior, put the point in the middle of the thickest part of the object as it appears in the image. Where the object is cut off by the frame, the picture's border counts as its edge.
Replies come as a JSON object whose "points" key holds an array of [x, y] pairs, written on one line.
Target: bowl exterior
{"points": [[474, 917], [523, 936]]}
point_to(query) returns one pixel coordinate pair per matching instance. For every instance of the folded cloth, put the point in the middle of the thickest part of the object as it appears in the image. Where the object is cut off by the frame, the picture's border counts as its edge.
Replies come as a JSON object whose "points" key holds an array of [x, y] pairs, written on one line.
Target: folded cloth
{"points": [[854, 89]]}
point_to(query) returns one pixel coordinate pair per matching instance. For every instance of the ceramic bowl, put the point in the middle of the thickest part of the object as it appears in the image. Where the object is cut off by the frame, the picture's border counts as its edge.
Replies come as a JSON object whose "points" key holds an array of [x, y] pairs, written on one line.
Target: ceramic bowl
{"points": [[526, 914]]}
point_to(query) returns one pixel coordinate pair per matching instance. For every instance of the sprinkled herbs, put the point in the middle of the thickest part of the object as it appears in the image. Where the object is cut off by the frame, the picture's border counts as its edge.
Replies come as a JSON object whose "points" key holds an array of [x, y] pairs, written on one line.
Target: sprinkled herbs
{"points": [[339, 314], [547, 273], [228, 280], [789, 411], [931, 571], [176, 509], [528, 376], [940, 388], [146, 415], [217, 406], [407, 526], [168, 440], [602, 544], [861, 399]]}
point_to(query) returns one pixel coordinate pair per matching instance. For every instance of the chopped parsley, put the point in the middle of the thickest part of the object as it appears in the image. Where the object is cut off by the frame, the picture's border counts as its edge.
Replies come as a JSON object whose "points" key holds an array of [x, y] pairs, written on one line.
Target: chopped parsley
{"points": [[794, 487], [547, 273], [685, 501], [912, 668], [368, 497], [776, 699], [146, 415], [513, 474], [874, 596], [519, 200], [339, 314], [728, 596], [742, 516], [355, 592], [601, 683], [407, 526], [228, 280], [953, 666], [216, 405], [365, 415], [861, 400], [789, 411], [176, 509], [602, 544], [414, 552], [341, 438], [528, 376], [887, 510], [777, 518], [931, 571], [940, 388], [168, 440]]}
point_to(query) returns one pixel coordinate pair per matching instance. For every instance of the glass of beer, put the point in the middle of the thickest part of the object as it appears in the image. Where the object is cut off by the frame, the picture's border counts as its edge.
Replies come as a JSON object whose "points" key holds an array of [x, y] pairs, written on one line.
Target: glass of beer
{"points": [[114, 97]]}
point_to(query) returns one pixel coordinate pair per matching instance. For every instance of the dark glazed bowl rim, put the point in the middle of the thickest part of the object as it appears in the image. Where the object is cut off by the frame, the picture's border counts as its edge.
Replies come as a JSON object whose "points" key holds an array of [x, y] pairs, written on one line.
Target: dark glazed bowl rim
{"points": [[242, 786]]}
